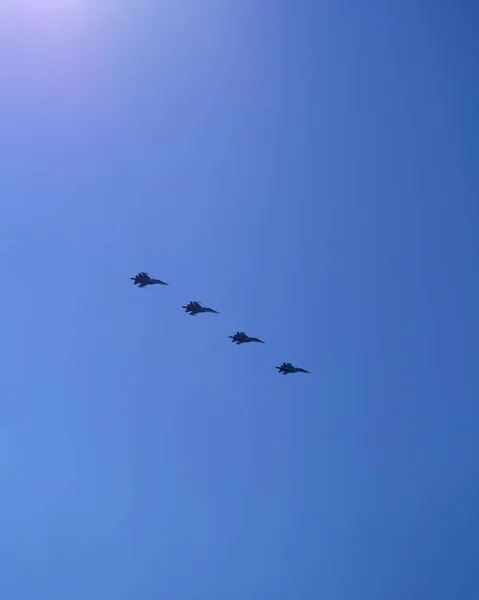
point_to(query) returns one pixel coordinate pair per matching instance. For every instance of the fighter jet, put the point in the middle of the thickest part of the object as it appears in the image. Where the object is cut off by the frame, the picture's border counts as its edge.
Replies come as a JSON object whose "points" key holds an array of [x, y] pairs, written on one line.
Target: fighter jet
{"points": [[286, 368], [193, 308], [240, 337], [143, 279]]}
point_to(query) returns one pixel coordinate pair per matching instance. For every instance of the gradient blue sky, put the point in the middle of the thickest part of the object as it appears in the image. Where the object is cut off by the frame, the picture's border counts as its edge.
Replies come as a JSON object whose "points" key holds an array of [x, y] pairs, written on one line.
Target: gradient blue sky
{"points": [[308, 168]]}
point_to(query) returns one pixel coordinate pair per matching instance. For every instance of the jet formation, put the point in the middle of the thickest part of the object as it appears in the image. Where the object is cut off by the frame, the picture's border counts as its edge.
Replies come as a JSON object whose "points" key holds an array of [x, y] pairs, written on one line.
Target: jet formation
{"points": [[240, 337], [193, 308], [287, 368], [143, 279]]}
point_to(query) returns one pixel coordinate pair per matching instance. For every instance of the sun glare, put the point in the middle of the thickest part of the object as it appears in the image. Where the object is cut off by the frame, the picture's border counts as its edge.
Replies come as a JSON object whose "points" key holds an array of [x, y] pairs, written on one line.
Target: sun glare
{"points": [[57, 5], [65, 12], [62, 8]]}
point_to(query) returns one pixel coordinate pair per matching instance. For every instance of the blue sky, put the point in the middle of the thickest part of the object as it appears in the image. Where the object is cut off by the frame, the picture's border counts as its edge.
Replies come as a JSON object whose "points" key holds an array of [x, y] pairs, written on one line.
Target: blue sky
{"points": [[309, 169]]}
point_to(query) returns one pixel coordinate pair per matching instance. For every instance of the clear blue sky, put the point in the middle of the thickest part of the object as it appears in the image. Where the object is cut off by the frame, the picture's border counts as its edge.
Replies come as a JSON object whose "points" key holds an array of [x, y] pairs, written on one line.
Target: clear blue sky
{"points": [[310, 170]]}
